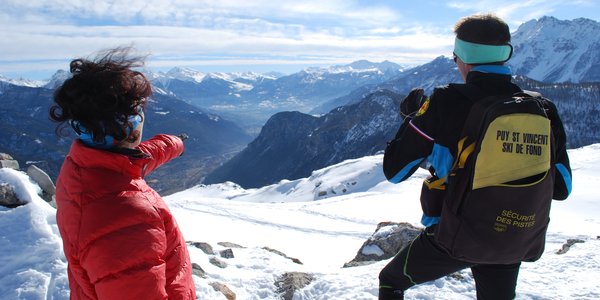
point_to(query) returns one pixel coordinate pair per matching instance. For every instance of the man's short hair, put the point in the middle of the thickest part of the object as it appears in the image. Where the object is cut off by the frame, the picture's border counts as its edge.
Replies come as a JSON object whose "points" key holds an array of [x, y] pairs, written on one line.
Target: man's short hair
{"points": [[483, 29]]}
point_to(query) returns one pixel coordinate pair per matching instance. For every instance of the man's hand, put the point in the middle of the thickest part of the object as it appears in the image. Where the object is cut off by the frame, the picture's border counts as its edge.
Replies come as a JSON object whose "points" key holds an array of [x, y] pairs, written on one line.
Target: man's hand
{"points": [[411, 104]]}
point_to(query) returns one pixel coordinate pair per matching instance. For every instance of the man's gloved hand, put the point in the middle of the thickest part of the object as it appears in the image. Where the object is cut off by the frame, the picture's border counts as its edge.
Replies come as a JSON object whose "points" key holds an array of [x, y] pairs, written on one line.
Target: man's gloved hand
{"points": [[411, 104], [183, 136]]}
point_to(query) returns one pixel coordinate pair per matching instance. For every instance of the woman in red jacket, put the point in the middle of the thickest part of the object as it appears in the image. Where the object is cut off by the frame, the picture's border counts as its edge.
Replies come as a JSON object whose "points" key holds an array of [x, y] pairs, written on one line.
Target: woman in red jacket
{"points": [[119, 237]]}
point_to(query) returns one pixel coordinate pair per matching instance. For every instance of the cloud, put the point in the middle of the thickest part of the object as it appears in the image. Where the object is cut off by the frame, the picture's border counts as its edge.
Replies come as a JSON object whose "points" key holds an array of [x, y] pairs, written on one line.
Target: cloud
{"points": [[189, 40], [178, 44], [36, 32], [519, 11], [236, 31], [185, 12]]}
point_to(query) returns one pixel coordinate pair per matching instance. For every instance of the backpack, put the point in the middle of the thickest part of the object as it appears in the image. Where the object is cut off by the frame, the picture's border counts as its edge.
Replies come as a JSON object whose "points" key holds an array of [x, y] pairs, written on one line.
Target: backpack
{"points": [[497, 202]]}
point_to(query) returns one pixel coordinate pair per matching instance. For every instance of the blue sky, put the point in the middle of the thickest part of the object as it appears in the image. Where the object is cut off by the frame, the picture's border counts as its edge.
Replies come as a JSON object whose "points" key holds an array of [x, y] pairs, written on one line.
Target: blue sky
{"points": [[38, 37]]}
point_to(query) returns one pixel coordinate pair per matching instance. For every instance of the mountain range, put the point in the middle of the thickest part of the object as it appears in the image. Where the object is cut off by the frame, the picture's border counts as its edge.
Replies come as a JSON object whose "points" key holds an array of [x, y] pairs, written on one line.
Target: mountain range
{"points": [[292, 144], [250, 98], [578, 104], [427, 76], [547, 50]]}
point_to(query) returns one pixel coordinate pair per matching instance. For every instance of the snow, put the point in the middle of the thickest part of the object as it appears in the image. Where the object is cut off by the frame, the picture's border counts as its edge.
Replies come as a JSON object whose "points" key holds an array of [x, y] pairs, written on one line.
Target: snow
{"points": [[566, 48], [190, 75], [372, 250], [323, 232], [32, 264], [362, 68], [186, 74], [21, 82]]}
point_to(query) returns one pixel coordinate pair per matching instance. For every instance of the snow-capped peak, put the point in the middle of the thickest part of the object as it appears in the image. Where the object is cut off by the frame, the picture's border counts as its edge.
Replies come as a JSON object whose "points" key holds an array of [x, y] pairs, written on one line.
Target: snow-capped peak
{"points": [[186, 74], [254, 76], [21, 82], [57, 79], [553, 50], [360, 66], [222, 76]]}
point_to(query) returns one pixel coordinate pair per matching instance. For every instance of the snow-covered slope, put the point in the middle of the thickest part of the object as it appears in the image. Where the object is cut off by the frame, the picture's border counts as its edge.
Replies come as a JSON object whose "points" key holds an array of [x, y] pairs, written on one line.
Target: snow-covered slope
{"points": [[32, 263], [328, 182], [323, 232]]}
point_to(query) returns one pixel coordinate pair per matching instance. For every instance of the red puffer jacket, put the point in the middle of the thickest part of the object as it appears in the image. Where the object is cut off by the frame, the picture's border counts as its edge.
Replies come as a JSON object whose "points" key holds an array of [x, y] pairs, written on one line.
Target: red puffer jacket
{"points": [[119, 237]]}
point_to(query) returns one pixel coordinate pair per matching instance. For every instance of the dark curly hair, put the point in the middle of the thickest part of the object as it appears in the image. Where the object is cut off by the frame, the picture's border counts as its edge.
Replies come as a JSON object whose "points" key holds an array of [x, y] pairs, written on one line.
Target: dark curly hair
{"points": [[101, 95]]}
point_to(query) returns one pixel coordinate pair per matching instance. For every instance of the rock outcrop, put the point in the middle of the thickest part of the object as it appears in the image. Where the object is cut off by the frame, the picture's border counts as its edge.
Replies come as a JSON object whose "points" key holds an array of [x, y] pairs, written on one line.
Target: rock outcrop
{"points": [[45, 182], [198, 271], [227, 253], [224, 289], [8, 197], [290, 282], [6, 161], [389, 238], [42, 179], [295, 260], [205, 247], [567, 246], [36, 174]]}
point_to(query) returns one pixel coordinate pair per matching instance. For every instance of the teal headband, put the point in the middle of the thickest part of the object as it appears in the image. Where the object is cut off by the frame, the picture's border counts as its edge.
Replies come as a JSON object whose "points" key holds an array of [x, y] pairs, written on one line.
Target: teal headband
{"points": [[472, 53]]}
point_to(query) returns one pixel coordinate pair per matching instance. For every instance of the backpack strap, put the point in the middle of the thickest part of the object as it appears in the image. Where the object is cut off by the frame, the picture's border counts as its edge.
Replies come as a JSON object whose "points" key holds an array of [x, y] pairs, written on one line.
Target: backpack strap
{"points": [[463, 153], [459, 163], [473, 93], [532, 94]]}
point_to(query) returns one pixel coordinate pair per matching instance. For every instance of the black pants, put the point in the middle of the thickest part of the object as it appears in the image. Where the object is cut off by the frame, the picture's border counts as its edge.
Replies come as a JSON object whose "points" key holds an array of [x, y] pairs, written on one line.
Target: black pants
{"points": [[423, 260]]}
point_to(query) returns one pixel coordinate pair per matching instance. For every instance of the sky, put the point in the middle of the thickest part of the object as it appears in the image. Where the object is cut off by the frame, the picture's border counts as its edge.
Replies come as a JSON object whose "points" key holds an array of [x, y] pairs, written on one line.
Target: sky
{"points": [[322, 231], [38, 37]]}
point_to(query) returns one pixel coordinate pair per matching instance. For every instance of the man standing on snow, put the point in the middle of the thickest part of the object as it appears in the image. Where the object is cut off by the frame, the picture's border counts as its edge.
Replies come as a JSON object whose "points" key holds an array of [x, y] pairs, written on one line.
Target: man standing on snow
{"points": [[431, 132]]}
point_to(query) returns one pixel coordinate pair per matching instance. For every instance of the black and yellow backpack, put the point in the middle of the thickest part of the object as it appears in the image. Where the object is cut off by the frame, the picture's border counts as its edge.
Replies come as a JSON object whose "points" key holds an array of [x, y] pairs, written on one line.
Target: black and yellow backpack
{"points": [[497, 203]]}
